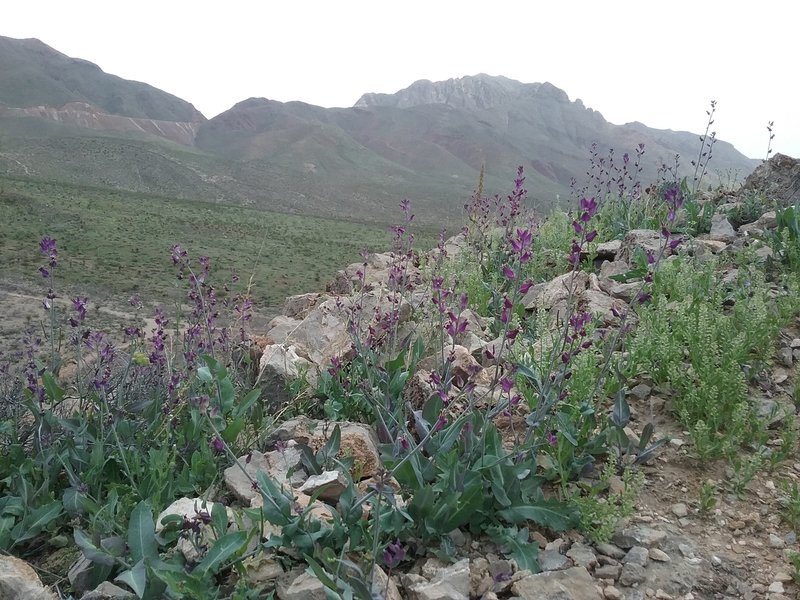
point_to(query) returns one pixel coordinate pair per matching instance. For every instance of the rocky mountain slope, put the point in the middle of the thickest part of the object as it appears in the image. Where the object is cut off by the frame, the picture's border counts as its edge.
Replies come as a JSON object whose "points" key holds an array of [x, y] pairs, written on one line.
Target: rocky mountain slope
{"points": [[33, 74], [426, 142]]}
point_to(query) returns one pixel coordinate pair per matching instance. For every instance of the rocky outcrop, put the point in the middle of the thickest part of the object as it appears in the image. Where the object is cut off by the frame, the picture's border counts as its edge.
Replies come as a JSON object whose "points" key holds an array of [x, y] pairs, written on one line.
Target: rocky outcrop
{"points": [[778, 179], [86, 116]]}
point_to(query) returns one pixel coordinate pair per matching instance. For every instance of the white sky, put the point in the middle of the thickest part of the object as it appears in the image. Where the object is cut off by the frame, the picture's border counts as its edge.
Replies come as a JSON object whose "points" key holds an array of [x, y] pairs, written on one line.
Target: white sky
{"points": [[655, 62]]}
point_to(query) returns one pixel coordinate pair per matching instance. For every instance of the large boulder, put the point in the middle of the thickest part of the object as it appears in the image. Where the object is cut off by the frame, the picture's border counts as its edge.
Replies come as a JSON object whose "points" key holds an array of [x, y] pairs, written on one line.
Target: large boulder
{"points": [[322, 334], [551, 294], [374, 272], [778, 179], [357, 440], [721, 229], [648, 240], [191, 509], [278, 367]]}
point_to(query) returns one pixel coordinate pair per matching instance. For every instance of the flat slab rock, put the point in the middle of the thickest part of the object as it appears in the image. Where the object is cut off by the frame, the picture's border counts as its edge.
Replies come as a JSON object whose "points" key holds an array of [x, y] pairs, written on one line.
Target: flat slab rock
{"points": [[570, 584]]}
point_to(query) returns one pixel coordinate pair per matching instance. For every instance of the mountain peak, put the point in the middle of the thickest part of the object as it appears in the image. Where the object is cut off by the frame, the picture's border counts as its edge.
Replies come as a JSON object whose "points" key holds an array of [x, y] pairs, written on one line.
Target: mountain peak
{"points": [[479, 91], [34, 74]]}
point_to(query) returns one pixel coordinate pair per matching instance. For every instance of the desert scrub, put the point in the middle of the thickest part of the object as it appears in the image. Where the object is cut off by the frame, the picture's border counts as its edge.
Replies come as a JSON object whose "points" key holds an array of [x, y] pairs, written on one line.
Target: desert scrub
{"points": [[703, 338], [601, 508]]}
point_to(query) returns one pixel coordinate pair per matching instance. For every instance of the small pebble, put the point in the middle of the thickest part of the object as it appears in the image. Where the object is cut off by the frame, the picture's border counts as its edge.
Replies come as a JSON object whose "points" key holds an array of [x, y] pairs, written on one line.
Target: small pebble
{"points": [[659, 555], [776, 542], [776, 587], [612, 593]]}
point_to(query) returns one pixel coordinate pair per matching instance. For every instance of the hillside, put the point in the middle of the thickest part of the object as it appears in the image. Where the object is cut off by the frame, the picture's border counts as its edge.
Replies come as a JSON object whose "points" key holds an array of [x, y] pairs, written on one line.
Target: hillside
{"points": [[66, 120], [34, 74]]}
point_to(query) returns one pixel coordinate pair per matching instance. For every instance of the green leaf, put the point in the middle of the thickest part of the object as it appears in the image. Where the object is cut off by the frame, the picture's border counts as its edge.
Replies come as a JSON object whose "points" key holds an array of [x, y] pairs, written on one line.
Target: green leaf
{"points": [[204, 375], [227, 394], [248, 401], [54, 391], [548, 513], [73, 501], [12, 505], [518, 547], [468, 504], [90, 551], [320, 573], [114, 545], [6, 525], [135, 578], [142, 533], [565, 428], [232, 431], [223, 549], [277, 507], [629, 275], [444, 440], [621, 414], [219, 518], [331, 447], [38, 520]]}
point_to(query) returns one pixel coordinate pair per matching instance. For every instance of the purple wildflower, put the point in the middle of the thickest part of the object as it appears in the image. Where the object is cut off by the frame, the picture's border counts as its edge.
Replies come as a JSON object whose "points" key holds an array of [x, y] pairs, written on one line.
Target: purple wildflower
{"points": [[217, 445], [394, 554]]}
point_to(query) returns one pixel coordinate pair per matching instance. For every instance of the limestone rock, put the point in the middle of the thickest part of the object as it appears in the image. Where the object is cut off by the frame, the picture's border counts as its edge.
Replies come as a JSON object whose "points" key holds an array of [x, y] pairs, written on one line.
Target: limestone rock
{"points": [[262, 569], [582, 555], [721, 229], [358, 441], [418, 389], [298, 307], [603, 306], [571, 584], [190, 508], [304, 587], [107, 591], [608, 250], [322, 334], [279, 366], [463, 368], [628, 537], [328, 484], [279, 328], [19, 581], [384, 587], [648, 240], [238, 483], [450, 583], [80, 575], [553, 560], [714, 246], [548, 295], [616, 289]]}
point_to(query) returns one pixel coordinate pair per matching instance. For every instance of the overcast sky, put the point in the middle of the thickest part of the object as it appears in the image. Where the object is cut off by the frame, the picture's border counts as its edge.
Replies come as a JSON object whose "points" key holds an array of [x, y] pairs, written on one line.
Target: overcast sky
{"points": [[655, 62]]}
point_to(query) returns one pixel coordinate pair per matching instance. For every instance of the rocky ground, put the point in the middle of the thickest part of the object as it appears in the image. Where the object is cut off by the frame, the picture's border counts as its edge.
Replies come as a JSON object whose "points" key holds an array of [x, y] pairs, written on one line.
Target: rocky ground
{"points": [[681, 542]]}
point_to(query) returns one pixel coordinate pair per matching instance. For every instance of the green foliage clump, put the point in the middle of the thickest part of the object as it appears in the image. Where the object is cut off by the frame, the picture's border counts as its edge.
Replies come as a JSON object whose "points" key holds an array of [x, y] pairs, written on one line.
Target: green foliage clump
{"points": [[705, 338], [601, 509]]}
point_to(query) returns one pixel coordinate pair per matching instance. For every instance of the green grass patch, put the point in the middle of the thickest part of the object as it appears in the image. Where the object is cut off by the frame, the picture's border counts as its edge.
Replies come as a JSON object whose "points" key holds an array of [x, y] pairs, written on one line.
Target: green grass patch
{"points": [[116, 243]]}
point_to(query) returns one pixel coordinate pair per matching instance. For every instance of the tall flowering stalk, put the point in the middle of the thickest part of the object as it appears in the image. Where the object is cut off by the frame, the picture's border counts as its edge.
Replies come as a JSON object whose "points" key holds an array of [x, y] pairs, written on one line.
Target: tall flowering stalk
{"points": [[47, 246]]}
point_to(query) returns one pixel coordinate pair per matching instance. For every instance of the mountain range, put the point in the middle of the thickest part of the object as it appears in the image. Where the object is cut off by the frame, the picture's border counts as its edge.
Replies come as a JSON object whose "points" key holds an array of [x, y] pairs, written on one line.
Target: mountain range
{"points": [[64, 119]]}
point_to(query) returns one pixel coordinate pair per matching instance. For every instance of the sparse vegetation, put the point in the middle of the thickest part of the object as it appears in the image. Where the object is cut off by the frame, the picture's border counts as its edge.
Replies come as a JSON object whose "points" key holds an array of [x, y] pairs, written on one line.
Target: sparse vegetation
{"points": [[543, 435]]}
